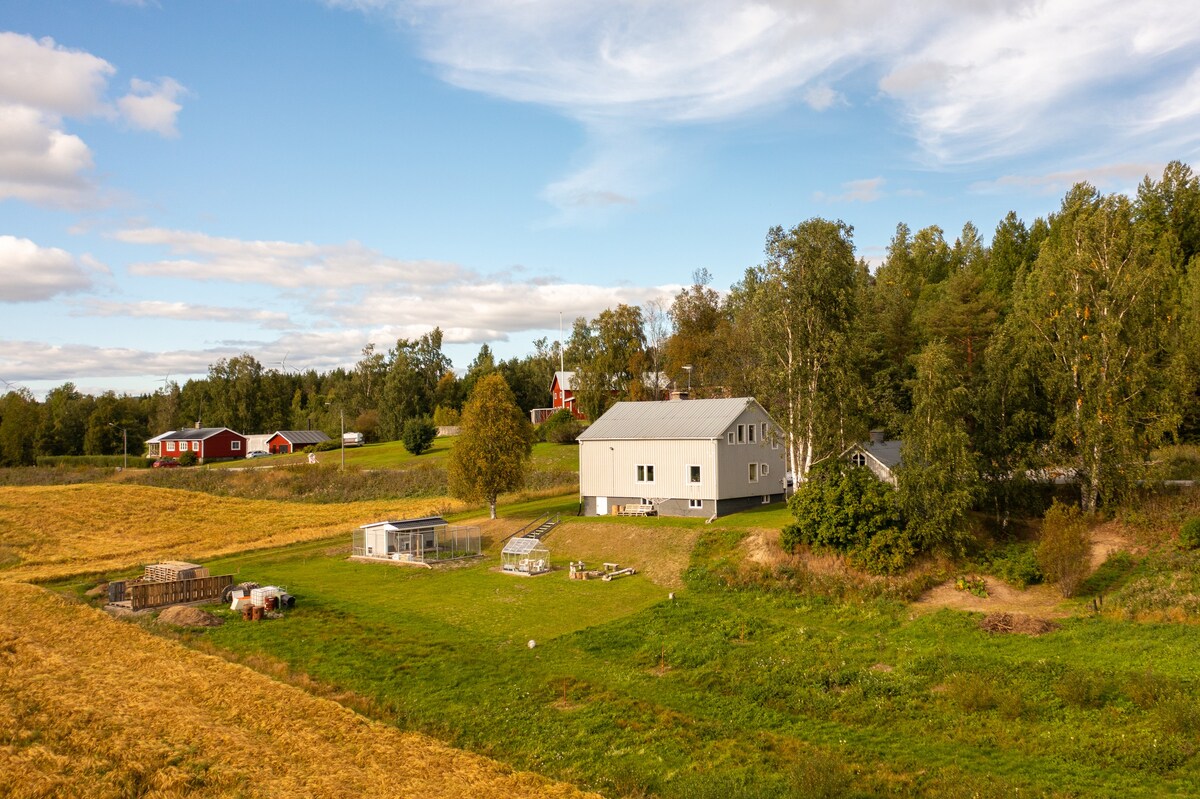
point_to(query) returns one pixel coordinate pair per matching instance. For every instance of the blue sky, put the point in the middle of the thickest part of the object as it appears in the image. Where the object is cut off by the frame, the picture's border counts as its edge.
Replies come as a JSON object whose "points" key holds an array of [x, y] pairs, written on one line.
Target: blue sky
{"points": [[184, 181]]}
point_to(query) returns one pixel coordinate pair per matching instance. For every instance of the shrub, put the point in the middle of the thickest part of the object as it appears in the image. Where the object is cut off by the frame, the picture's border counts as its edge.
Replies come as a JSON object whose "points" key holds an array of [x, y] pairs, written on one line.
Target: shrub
{"points": [[1189, 534], [418, 434], [1017, 565], [188, 458], [561, 427], [1064, 553]]}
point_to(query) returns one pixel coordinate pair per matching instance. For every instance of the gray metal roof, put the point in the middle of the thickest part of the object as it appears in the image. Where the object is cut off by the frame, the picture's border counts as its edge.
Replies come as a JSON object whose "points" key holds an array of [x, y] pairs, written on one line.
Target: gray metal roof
{"points": [[682, 419], [410, 524], [302, 436], [523, 546], [195, 434], [886, 452]]}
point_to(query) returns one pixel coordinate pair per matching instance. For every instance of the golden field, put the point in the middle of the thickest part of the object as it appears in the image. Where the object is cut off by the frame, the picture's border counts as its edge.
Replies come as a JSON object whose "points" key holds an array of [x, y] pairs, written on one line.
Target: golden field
{"points": [[52, 532], [93, 707]]}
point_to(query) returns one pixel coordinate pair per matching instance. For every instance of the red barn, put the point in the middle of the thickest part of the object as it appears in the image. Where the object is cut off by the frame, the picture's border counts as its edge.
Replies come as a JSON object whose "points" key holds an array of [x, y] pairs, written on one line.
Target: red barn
{"points": [[285, 441], [209, 443]]}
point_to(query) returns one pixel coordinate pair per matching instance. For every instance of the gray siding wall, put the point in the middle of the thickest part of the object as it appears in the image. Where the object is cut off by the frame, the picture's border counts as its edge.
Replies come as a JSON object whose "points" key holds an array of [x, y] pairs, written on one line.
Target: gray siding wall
{"points": [[609, 469]]}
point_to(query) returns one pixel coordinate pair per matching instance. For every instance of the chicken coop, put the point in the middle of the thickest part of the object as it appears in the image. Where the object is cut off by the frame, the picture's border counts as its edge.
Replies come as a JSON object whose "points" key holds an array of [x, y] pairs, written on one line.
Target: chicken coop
{"points": [[429, 539]]}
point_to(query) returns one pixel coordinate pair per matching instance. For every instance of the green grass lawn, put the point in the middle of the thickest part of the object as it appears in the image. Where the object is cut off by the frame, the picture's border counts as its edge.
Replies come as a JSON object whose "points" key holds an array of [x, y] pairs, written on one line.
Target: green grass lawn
{"points": [[747, 693]]}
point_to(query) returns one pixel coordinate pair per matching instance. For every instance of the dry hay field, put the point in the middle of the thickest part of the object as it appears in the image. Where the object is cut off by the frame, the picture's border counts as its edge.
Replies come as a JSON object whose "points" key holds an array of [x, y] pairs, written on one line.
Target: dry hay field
{"points": [[93, 707], [53, 532]]}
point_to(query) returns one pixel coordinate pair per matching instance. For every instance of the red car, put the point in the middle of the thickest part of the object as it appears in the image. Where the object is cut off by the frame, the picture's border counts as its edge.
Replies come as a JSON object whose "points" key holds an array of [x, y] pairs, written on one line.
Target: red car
{"points": [[166, 463]]}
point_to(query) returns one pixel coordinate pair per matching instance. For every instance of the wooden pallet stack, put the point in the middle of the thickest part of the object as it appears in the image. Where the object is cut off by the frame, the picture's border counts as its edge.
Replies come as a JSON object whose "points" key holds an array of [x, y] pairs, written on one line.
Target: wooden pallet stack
{"points": [[171, 570]]}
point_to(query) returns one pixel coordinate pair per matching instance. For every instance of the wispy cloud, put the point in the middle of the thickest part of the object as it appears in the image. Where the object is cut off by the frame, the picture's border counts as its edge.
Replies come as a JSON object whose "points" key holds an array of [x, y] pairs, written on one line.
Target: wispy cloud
{"points": [[1111, 177], [29, 273], [160, 309], [855, 191]]}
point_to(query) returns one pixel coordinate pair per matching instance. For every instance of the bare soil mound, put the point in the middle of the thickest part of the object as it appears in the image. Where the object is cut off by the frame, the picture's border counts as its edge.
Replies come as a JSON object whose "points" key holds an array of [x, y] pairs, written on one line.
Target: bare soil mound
{"points": [[1017, 623], [184, 616]]}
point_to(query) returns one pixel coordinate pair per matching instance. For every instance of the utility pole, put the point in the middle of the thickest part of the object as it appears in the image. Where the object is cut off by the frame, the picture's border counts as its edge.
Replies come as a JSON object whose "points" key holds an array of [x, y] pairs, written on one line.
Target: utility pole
{"points": [[124, 442]]}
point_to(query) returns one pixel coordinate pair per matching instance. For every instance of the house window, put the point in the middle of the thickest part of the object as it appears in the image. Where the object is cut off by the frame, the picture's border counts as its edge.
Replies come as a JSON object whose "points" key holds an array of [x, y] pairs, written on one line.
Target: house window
{"points": [[763, 437], [170, 446], [741, 434], [195, 446], [729, 437], [695, 504], [754, 473], [858, 459], [766, 499], [645, 473], [694, 475], [764, 469], [750, 433], [235, 445]]}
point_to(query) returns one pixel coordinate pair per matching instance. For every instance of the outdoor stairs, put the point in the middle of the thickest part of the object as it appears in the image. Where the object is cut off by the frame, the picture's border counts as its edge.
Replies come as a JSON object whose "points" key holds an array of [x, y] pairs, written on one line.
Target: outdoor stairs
{"points": [[544, 528]]}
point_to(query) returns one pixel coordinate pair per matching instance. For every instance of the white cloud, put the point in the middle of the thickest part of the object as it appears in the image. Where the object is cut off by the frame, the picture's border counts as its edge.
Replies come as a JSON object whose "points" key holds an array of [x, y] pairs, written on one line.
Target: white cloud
{"points": [[1111, 177], [29, 273], [159, 309], [37, 73], [41, 85], [152, 106], [974, 80], [1013, 78], [281, 263], [855, 191]]}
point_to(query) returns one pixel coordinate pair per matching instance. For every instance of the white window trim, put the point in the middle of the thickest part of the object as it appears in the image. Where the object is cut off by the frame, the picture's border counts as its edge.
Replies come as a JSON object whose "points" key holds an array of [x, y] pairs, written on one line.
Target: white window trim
{"points": [[729, 437], [695, 504], [195, 446], [766, 499], [645, 470], [688, 474], [170, 446], [764, 469], [235, 446], [751, 429], [753, 472], [763, 433], [741, 434]]}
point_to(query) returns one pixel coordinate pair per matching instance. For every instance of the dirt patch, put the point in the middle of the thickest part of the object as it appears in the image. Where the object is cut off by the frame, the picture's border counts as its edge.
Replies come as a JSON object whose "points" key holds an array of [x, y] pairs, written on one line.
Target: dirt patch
{"points": [[185, 616], [99, 590], [1037, 600], [762, 547], [1017, 623], [1108, 538]]}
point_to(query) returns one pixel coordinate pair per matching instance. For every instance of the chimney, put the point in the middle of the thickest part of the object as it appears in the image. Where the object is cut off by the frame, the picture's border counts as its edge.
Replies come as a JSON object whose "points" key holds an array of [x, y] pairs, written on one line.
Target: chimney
{"points": [[197, 424], [878, 436], [678, 395]]}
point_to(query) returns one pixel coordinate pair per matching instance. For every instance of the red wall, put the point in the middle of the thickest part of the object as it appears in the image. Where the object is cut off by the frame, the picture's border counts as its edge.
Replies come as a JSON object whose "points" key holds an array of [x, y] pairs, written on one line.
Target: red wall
{"points": [[218, 446]]}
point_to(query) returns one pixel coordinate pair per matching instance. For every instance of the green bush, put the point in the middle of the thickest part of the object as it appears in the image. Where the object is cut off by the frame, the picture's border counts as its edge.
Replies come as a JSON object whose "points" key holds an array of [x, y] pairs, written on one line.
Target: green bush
{"points": [[1017, 565], [561, 427], [846, 509], [1189, 534], [188, 458], [418, 434]]}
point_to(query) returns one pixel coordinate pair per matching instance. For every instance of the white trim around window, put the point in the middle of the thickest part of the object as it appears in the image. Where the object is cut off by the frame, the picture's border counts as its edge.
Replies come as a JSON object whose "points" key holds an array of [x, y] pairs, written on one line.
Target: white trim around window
{"points": [[693, 474], [754, 473], [764, 469], [729, 437], [235, 446], [695, 504], [645, 473]]}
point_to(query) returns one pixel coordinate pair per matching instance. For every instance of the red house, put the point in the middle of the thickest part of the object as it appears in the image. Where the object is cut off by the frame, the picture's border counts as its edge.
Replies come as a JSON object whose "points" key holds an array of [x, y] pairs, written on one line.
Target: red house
{"points": [[562, 394], [209, 443], [285, 441]]}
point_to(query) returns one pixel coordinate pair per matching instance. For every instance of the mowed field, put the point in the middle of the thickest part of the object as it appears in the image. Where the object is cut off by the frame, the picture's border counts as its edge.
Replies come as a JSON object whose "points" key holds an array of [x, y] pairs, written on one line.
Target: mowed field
{"points": [[93, 707], [54, 532]]}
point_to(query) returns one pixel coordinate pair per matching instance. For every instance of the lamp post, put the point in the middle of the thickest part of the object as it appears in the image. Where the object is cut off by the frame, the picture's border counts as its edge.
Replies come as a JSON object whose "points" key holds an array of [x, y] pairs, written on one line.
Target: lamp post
{"points": [[688, 368], [124, 442]]}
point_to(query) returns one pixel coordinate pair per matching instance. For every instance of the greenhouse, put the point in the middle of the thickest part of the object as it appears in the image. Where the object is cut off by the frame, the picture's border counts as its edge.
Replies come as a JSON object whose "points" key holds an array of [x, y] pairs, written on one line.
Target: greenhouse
{"points": [[525, 556]]}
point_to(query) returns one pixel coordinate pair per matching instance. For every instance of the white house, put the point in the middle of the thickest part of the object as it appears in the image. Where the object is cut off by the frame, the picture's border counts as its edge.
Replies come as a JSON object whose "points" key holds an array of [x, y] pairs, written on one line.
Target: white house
{"points": [[684, 458]]}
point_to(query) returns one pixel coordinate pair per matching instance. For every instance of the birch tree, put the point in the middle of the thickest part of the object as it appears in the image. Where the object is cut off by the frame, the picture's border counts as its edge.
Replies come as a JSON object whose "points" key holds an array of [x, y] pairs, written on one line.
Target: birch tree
{"points": [[1101, 303], [801, 303]]}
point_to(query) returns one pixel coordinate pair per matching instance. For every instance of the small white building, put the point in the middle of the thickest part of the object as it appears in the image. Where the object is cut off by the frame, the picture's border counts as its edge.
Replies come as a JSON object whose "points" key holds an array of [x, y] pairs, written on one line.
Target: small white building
{"points": [[878, 454], [700, 458], [430, 538]]}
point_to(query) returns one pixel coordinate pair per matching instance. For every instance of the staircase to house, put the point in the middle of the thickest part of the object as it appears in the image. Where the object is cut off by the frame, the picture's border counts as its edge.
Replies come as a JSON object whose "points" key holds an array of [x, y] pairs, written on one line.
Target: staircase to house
{"points": [[539, 528]]}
